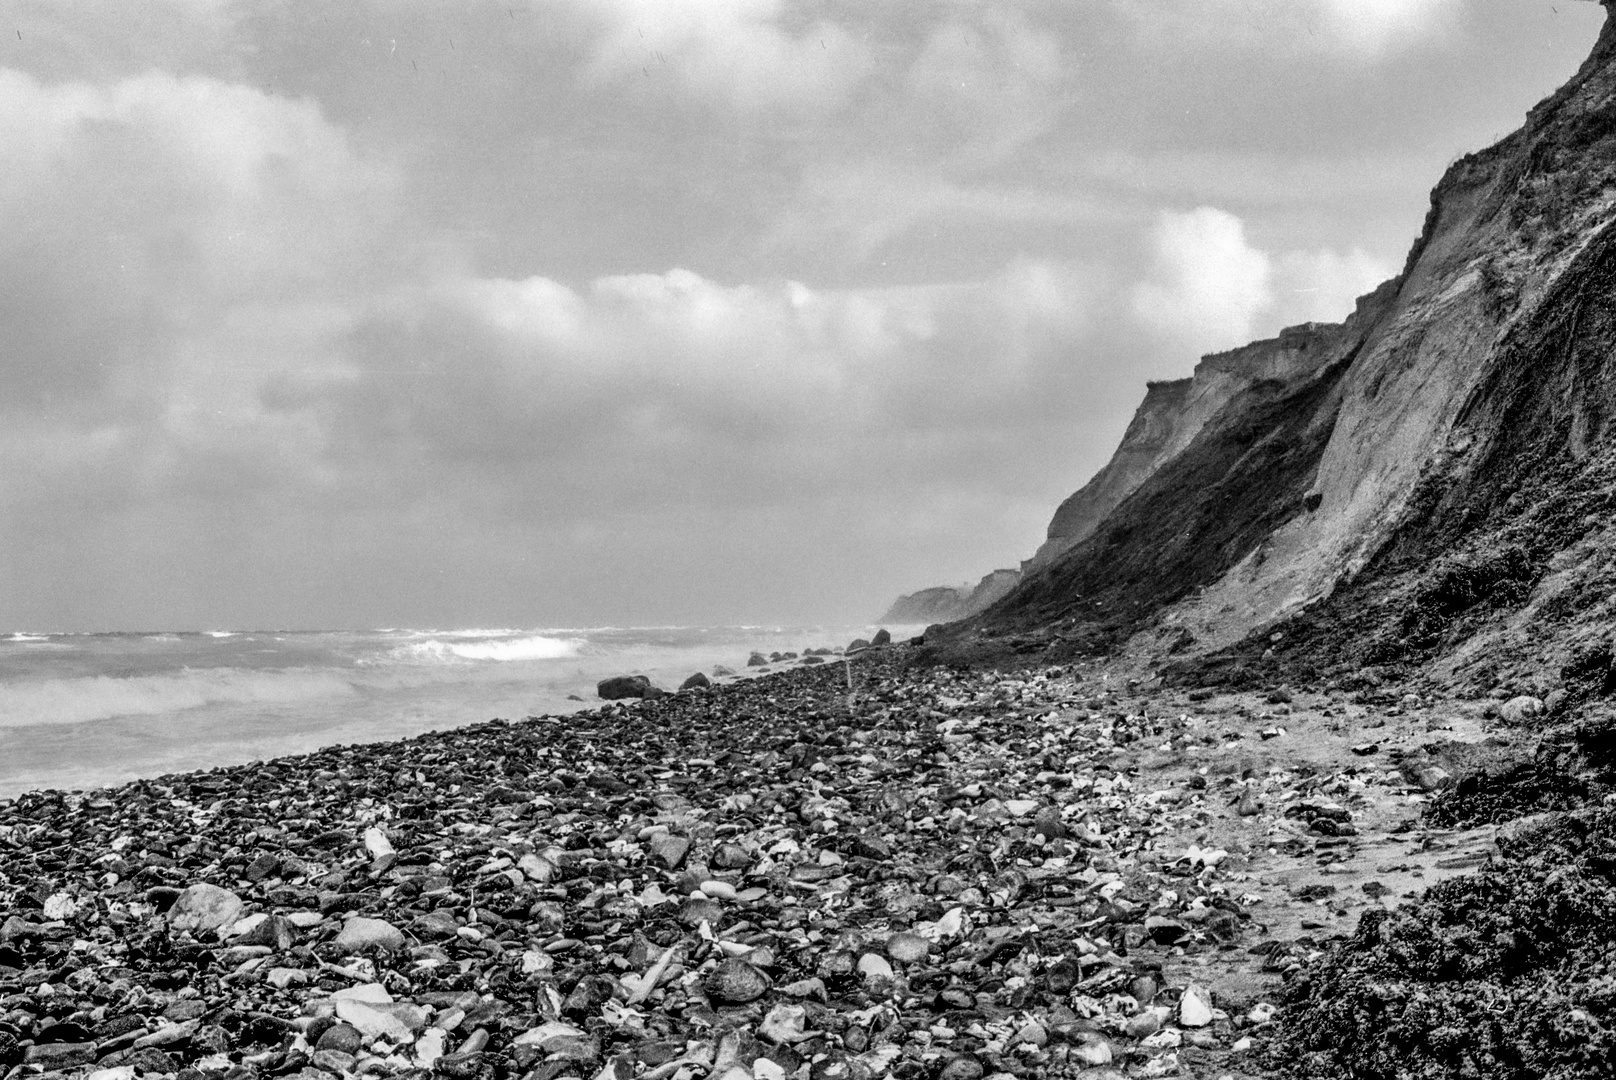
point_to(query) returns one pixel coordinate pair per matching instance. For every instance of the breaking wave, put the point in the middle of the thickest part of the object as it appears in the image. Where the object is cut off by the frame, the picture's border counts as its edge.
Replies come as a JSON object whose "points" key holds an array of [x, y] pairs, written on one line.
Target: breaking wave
{"points": [[102, 697], [535, 647]]}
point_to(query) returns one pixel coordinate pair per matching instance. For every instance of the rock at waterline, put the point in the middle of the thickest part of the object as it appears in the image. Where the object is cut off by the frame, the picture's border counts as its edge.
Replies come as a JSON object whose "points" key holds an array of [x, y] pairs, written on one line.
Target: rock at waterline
{"points": [[757, 659], [698, 681], [882, 637], [624, 686], [857, 644]]}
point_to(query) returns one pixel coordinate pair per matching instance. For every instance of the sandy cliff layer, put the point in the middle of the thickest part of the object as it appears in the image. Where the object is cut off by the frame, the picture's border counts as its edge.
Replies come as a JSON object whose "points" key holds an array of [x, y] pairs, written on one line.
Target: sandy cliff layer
{"points": [[1406, 486]]}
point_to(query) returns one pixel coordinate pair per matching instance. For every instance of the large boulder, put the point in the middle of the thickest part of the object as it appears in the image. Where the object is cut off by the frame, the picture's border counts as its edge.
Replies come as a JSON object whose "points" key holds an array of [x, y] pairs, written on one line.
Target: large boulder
{"points": [[698, 681], [624, 686], [882, 637]]}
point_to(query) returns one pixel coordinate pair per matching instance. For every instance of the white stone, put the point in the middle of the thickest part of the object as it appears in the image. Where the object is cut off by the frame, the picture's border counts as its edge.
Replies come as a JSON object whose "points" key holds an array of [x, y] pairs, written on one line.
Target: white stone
{"points": [[1093, 1053], [718, 890], [874, 966], [60, 906], [121, 1072], [375, 993], [1195, 1007], [243, 926], [377, 844], [373, 1022], [429, 1047], [536, 867]]}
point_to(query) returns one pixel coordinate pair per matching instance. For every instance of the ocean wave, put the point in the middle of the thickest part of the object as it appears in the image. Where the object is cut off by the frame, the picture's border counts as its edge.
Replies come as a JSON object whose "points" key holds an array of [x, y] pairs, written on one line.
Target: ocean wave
{"points": [[19, 636], [534, 647], [102, 697]]}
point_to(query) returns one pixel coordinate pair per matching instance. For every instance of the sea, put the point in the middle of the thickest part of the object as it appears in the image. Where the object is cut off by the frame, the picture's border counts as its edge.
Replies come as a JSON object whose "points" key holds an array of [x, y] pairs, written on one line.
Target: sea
{"points": [[80, 711]]}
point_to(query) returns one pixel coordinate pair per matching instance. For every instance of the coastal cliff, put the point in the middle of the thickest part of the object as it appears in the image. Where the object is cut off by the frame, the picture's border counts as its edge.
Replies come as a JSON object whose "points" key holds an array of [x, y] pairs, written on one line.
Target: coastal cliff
{"points": [[1423, 483], [949, 603], [1172, 415]]}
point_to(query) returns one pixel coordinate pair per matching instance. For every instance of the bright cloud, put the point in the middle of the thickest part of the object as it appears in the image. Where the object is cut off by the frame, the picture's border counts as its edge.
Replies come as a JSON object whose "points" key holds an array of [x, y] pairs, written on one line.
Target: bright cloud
{"points": [[1376, 26], [1321, 286], [1208, 284]]}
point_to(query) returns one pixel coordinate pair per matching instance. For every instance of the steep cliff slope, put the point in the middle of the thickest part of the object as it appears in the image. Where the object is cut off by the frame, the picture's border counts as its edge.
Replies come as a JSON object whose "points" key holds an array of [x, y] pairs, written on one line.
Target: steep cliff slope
{"points": [[1426, 487], [1169, 418]]}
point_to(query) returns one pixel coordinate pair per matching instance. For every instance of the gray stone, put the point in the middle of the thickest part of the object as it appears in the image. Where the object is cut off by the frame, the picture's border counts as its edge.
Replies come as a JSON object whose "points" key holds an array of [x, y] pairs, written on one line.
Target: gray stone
{"points": [[735, 982], [670, 850], [344, 1038], [1522, 708], [202, 908], [361, 933]]}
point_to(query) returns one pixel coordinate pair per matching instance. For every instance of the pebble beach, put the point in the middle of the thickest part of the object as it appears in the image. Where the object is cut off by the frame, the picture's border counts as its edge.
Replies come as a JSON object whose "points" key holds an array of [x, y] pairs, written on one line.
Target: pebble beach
{"points": [[942, 874]]}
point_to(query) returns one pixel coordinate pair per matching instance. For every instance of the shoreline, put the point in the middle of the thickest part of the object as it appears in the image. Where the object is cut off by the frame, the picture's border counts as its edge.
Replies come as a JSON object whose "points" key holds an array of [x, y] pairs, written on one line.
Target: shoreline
{"points": [[61, 725], [970, 874]]}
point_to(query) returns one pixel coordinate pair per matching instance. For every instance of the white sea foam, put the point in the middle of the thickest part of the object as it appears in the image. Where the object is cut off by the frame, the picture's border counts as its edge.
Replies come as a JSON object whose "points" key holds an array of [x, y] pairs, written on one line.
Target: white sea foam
{"points": [[533, 647], [27, 637], [102, 697]]}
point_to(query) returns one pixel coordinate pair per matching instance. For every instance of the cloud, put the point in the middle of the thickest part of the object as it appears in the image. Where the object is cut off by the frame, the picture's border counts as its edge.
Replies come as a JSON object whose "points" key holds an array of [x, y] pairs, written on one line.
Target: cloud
{"points": [[663, 379], [1348, 29], [165, 242], [1321, 286], [736, 52], [1379, 26], [1207, 284], [144, 222], [1208, 288]]}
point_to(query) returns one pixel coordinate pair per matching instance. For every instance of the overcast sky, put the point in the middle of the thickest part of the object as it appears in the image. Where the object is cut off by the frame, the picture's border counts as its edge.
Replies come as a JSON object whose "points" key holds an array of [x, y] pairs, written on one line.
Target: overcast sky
{"points": [[538, 312]]}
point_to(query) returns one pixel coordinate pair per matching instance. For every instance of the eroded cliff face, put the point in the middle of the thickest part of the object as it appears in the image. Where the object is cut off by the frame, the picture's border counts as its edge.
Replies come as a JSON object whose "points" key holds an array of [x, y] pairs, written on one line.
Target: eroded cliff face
{"points": [[1170, 417], [1371, 497]]}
